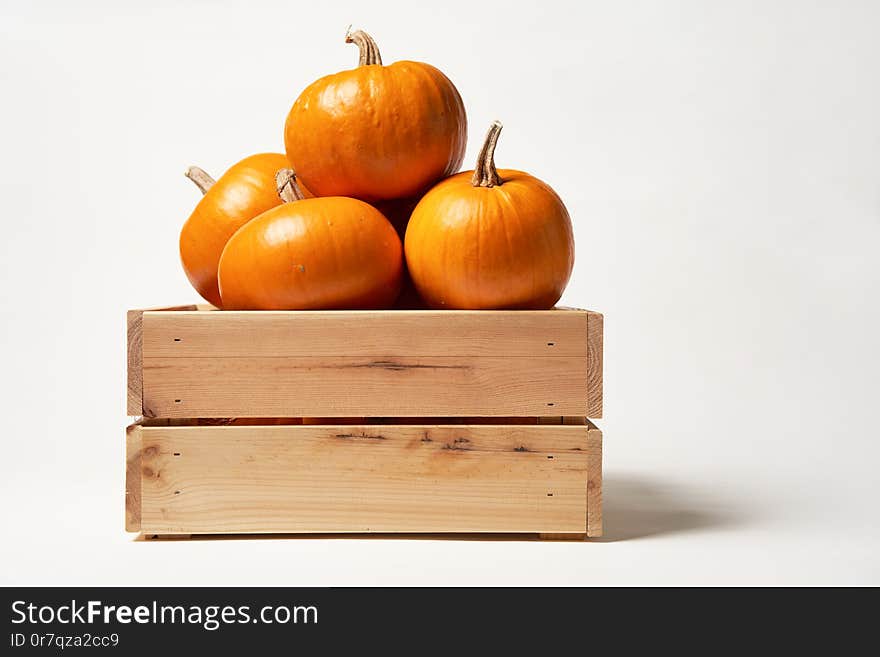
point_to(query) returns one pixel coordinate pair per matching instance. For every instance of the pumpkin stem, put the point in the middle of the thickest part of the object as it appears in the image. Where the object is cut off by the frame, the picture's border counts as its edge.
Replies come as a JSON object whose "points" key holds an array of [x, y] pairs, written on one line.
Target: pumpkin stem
{"points": [[369, 51], [200, 177], [485, 173], [288, 190]]}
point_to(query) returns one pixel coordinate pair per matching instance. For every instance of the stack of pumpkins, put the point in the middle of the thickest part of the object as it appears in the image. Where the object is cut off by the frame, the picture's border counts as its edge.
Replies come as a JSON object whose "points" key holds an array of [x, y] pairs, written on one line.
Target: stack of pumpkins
{"points": [[373, 150]]}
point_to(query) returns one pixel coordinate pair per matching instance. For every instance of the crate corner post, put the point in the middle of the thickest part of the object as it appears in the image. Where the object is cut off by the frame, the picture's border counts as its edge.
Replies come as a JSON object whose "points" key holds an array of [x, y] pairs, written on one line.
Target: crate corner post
{"points": [[135, 362], [595, 348], [594, 481], [133, 477]]}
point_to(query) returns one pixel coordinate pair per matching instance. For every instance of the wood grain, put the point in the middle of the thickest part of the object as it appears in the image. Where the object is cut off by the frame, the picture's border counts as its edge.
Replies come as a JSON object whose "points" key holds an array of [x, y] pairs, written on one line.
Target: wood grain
{"points": [[527, 460], [595, 332], [135, 359], [135, 362], [594, 481], [359, 363], [373, 335], [133, 469], [401, 478], [344, 387]]}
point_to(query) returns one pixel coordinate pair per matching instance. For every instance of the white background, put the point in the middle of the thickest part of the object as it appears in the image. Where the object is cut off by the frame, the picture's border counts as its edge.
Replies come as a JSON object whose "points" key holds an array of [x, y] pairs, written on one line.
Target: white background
{"points": [[721, 161]]}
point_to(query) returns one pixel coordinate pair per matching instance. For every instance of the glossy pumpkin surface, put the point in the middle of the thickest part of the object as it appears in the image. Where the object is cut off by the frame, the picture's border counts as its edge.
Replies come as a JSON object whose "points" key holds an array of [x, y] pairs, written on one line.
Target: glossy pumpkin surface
{"points": [[490, 239], [376, 132], [246, 190], [313, 254]]}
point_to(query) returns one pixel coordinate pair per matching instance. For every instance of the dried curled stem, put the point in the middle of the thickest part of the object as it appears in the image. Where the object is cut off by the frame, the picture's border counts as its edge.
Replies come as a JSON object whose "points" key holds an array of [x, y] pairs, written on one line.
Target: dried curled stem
{"points": [[485, 173], [201, 178], [369, 51], [288, 190]]}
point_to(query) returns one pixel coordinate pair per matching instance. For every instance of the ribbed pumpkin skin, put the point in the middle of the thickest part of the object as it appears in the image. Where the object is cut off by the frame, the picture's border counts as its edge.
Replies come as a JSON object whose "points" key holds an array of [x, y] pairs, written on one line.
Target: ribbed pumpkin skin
{"points": [[377, 132], [504, 247], [246, 190], [314, 254]]}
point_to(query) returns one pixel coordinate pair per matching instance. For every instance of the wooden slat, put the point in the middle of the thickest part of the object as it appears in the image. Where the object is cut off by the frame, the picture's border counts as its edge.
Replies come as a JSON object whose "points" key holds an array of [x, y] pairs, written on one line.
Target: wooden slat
{"points": [[360, 363], [384, 335], [133, 469], [595, 332], [135, 335], [402, 478], [343, 387], [594, 481]]}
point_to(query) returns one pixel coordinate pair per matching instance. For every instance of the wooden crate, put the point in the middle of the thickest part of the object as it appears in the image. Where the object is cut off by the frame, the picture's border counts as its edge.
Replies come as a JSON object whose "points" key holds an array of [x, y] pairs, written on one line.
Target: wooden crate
{"points": [[416, 422]]}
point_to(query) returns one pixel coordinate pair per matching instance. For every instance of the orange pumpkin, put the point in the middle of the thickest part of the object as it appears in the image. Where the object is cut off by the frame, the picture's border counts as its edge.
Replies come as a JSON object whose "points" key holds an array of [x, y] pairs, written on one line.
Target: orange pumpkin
{"points": [[244, 191], [319, 253], [490, 238], [376, 132]]}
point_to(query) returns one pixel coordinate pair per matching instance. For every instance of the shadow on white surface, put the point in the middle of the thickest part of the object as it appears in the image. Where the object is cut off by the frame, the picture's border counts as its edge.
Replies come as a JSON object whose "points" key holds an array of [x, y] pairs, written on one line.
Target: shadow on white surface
{"points": [[640, 507]]}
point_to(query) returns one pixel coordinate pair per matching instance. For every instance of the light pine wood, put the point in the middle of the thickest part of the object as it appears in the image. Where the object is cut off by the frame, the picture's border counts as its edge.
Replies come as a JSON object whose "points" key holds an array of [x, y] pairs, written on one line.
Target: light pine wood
{"points": [[469, 422], [133, 486], [369, 478], [135, 362], [595, 332], [359, 363], [594, 480], [345, 387], [593, 483], [134, 322], [366, 334]]}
